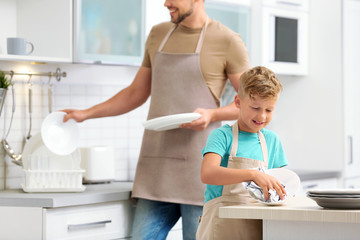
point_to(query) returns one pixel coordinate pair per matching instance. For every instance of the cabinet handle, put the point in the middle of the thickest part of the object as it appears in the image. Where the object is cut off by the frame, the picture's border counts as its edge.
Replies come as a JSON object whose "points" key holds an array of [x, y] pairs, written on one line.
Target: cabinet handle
{"points": [[350, 138], [311, 186], [288, 3], [87, 225]]}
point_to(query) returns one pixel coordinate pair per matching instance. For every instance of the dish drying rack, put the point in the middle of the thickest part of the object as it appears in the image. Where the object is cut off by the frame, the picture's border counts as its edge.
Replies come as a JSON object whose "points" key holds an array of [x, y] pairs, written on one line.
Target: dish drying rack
{"points": [[47, 172]]}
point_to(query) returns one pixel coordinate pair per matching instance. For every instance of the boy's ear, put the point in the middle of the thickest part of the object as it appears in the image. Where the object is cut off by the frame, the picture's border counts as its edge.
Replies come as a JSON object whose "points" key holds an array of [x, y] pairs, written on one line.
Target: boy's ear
{"points": [[237, 100]]}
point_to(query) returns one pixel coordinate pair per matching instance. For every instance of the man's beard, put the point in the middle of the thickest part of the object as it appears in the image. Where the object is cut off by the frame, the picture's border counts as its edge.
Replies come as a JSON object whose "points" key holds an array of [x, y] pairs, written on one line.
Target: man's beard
{"points": [[183, 16]]}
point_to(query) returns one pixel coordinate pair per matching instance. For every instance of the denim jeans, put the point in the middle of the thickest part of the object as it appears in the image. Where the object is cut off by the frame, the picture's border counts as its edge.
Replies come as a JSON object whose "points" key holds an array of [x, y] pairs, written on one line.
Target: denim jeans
{"points": [[153, 219]]}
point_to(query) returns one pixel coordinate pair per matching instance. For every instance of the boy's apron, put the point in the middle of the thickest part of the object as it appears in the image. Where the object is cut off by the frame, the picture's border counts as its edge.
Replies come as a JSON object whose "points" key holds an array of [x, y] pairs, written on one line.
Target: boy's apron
{"points": [[213, 227], [169, 163]]}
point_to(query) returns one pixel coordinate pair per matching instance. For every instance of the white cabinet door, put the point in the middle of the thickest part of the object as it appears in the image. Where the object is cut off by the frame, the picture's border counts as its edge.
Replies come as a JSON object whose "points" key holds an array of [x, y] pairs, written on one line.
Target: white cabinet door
{"points": [[351, 51], [326, 183], [111, 220], [46, 24], [352, 182], [109, 32], [20, 223]]}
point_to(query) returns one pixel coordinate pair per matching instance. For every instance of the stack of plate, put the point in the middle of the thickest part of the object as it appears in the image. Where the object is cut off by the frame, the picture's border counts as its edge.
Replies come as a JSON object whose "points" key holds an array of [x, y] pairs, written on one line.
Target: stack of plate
{"points": [[336, 198]]}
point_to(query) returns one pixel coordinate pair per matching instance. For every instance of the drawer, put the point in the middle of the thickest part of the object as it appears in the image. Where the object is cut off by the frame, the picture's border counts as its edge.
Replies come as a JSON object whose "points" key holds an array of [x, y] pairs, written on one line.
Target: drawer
{"points": [[352, 182], [326, 183], [95, 221]]}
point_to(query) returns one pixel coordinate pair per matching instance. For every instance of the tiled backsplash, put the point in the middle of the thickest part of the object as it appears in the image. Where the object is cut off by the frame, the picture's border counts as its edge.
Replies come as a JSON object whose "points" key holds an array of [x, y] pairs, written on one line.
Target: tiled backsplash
{"points": [[84, 86]]}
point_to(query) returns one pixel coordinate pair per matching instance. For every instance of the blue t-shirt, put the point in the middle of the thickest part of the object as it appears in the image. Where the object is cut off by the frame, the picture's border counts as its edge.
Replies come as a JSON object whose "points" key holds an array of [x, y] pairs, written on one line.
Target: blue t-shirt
{"points": [[220, 141]]}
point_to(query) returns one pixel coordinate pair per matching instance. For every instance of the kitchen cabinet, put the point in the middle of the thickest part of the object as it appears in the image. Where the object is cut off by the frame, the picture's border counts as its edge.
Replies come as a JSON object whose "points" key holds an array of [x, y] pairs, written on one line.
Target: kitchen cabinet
{"points": [[235, 15], [46, 24], [280, 35], [351, 65], [102, 211], [326, 183], [299, 218], [111, 220], [109, 32], [352, 182]]}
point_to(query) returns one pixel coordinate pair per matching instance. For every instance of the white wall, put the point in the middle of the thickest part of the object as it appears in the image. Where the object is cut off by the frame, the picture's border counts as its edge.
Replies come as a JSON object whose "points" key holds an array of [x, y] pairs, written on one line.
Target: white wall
{"points": [[84, 86], [309, 116]]}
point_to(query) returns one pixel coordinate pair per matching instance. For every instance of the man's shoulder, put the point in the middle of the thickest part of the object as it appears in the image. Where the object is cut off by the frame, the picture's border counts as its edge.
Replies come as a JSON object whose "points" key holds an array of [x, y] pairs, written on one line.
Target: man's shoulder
{"points": [[216, 27]]}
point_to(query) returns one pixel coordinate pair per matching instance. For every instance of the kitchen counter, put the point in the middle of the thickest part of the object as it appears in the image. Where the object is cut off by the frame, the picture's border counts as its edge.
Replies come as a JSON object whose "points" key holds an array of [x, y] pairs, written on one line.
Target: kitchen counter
{"points": [[301, 215], [305, 175], [94, 193]]}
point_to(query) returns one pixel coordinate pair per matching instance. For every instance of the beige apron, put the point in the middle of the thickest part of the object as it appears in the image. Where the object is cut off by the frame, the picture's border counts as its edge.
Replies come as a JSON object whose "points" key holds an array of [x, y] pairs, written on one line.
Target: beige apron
{"points": [[213, 227], [169, 163]]}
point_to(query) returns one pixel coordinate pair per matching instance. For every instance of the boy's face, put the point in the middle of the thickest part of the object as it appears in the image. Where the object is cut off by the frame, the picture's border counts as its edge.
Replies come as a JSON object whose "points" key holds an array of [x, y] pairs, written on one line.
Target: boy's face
{"points": [[254, 112]]}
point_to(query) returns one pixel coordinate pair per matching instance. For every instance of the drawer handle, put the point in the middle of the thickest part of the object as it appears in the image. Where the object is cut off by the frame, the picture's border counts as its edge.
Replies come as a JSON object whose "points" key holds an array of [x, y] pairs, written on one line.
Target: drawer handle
{"points": [[311, 186], [87, 225]]}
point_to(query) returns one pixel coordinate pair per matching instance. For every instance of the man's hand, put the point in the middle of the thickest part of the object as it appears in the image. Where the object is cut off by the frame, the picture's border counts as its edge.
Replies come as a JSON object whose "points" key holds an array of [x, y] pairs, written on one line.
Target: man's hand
{"points": [[77, 115], [201, 123]]}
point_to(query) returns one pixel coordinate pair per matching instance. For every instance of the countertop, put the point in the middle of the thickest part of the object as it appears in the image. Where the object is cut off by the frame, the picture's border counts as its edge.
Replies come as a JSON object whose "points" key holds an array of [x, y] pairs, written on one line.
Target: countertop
{"points": [[94, 193], [295, 209], [314, 175]]}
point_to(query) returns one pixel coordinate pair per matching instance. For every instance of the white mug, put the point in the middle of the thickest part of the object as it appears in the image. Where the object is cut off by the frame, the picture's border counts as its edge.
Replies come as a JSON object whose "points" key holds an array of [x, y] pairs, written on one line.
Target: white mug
{"points": [[17, 46]]}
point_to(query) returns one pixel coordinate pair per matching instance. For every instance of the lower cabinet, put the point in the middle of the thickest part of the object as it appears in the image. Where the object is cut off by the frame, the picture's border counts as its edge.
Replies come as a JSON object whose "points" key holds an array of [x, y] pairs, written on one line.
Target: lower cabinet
{"points": [[324, 183], [352, 182], [99, 221], [110, 220]]}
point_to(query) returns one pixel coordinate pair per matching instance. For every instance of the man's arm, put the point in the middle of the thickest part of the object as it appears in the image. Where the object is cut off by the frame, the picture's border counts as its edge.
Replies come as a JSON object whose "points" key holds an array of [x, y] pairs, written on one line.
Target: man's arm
{"points": [[229, 112], [124, 101]]}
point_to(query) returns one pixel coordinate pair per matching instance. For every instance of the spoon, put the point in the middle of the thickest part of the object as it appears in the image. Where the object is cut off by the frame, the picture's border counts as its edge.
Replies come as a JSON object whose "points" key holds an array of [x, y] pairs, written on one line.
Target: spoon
{"points": [[11, 153]]}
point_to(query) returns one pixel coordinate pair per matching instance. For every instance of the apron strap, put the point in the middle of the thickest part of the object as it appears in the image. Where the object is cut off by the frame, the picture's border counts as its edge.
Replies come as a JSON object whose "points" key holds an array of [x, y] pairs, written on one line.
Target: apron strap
{"points": [[234, 146], [263, 147], [199, 44]]}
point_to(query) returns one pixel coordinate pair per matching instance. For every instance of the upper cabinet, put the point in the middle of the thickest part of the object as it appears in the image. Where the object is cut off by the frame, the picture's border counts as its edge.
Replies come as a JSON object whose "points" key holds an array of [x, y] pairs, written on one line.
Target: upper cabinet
{"points": [[46, 24], [109, 32], [280, 35], [235, 14]]}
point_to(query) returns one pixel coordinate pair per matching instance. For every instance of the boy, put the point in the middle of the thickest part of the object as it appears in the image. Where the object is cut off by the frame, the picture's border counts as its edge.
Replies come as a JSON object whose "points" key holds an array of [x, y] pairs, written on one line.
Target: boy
{"points": [[232, 154]]}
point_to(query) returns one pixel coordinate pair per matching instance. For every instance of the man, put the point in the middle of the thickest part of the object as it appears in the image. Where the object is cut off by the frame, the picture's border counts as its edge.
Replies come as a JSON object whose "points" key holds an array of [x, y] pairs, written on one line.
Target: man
{"points": [[186, 65]]}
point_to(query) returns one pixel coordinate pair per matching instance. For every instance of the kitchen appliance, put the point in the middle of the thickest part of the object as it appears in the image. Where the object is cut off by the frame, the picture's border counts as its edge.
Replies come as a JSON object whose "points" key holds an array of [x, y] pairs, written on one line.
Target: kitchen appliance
{"points": [[99, 164], [280, 35]]}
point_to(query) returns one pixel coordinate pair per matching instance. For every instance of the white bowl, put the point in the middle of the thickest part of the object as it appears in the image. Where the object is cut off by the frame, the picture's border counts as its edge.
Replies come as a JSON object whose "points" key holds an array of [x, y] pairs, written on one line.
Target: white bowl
{"points": [[59, 137]]}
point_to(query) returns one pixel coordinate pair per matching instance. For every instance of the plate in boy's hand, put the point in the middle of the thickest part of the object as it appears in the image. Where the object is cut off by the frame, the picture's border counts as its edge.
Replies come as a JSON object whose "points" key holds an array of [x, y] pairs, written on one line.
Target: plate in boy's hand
{"points": [[289, 179], [170, 122]]}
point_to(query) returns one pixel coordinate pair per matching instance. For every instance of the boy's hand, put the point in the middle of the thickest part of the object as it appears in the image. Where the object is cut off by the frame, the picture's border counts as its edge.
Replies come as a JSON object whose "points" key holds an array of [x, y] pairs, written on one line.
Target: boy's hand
{"points": [[267, 182]]}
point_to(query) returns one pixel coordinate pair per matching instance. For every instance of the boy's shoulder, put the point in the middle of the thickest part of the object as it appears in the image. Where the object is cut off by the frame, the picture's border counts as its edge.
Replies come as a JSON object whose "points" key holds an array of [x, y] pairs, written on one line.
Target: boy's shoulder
{"points": [[269, 134], [225, 130]]}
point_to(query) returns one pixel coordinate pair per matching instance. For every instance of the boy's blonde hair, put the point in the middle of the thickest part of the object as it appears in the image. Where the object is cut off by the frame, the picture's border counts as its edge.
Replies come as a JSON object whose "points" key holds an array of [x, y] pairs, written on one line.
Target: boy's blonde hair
{"points": [[259, 81]]}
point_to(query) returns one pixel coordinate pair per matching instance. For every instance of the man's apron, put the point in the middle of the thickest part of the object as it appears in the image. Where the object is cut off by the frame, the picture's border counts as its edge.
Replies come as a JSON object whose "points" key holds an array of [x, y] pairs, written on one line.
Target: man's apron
{"points": [[213, 227], [169, 163]]}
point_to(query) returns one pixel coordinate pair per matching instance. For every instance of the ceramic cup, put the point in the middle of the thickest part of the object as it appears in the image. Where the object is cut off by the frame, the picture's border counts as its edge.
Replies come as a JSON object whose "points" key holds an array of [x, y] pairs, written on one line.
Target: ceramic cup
{"points": [[18, 46]]}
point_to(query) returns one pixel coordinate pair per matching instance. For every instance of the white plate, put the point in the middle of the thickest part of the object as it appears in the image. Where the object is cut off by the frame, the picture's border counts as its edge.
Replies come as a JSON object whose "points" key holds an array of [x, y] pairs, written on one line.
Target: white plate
{"points": [[170, 122], [342, 203], [54, 190], [30, 146], [343, 191], [61, 138], [289, 179], [334, 195]]}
